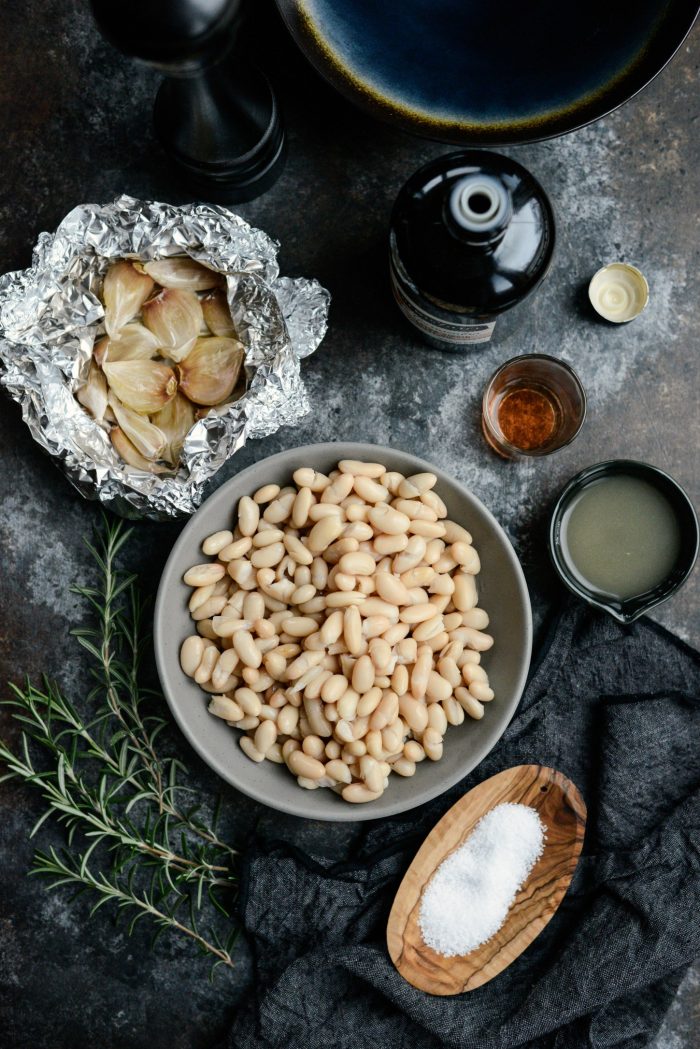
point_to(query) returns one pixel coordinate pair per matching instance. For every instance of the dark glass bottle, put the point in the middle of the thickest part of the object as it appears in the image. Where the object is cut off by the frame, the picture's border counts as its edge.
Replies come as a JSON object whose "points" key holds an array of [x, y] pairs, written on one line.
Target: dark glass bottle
{"points": [[472, 234]]}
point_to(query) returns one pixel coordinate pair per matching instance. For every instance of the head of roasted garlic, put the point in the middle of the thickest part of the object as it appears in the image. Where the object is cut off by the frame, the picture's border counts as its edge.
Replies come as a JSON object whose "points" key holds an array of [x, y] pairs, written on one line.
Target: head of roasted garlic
{"points": [[168, 356]]}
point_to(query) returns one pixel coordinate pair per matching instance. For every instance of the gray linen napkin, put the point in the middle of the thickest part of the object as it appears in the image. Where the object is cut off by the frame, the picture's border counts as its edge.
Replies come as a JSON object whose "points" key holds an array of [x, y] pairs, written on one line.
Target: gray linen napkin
{"points": [[617, 709]]}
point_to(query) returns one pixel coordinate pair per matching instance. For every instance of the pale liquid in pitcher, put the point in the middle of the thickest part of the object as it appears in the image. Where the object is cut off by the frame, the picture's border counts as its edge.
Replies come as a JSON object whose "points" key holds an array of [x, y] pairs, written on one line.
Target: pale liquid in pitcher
{"points": [[620, 536]]}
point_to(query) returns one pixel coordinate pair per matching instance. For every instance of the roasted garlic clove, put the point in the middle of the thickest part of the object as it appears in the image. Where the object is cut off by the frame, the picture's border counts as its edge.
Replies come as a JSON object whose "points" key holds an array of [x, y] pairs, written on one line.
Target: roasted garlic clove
{"points": [[209, 372], [125, 449], [182, 272], [99, 349], [146, 438], [133, 343], [175, 318], [143, 386], [93, 393], [217, 315], [124, 291], [175, 421]]}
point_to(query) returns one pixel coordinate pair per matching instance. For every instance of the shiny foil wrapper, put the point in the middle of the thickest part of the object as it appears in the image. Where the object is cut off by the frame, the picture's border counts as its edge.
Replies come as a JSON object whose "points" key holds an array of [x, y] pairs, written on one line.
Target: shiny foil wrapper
{"points": [[51, 314]]}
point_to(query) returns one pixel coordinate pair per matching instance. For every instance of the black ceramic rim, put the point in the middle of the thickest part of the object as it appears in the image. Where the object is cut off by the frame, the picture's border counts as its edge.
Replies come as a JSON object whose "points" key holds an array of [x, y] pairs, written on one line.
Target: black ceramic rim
{"points": [[535, 453], [631, 609], [575, 117]]}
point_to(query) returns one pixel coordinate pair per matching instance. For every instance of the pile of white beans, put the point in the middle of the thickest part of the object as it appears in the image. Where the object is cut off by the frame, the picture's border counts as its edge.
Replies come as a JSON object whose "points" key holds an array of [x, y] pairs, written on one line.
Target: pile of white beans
{"points": [[338, 626]]}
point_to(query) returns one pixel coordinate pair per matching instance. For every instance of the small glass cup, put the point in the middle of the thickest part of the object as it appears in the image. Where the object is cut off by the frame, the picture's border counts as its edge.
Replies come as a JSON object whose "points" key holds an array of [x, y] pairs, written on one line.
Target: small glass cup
{"points": [[532, 405]]}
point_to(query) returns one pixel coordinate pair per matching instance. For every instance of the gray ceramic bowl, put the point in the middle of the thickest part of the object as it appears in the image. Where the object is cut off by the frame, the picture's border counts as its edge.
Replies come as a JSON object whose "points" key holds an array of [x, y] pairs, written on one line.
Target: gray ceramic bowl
{"points": [[503, 593]]}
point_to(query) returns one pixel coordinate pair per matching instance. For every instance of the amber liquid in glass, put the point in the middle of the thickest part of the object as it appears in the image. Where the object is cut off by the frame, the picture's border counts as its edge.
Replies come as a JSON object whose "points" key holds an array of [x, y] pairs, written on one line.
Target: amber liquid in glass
{"points": [[528, 415]]}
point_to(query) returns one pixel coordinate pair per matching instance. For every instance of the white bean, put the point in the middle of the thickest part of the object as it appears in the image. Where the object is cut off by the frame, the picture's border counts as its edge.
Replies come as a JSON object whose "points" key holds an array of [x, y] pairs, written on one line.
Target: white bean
{"points": [[363, 675], [216, 542], [225, 707], [248, 515], [411, 556], [267, 493], [238, 548], [415, 509], [453, 711], [323, 533], [433, 500], [390, 544], [211, 607], [279, 509], [191, 654], [267, 536], [249, 701], [391, 589], [370, 490], [361, 469], [418, 613], [209, 659], [473, 672], [454, 533], [476, 640], [302, 764], [203, 575], [371, 773], [305, 477], [225, 666], [338, 771], [300, 509], [470, 704], [466, 556], [343, 598], [299, 626], [357, 563], [386, 519], [296, 549], [476, 618], [352, 630], [465, 595], [265, 736], [250, 750], [358, 793], [482, 691], [421, 672], [246, 648], [432, 744]]}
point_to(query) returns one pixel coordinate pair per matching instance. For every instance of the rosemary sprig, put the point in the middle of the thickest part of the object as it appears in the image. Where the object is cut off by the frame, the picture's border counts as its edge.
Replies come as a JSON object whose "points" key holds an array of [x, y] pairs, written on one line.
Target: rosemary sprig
{"points": [[106, 777]]}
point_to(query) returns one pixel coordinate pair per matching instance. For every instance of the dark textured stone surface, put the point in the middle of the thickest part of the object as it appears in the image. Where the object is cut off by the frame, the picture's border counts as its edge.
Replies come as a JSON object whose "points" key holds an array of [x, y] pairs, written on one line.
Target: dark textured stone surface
{"points": [[75, 126]]}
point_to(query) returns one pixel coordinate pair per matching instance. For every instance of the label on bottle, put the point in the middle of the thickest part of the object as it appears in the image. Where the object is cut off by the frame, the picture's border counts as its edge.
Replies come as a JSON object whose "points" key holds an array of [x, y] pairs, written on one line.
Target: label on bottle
{"points": [[460, 332]]}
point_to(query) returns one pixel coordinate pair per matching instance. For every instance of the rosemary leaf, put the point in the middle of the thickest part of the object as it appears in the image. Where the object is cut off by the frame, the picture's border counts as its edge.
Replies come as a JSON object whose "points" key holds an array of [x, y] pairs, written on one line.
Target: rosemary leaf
{"points": [[108, 779]]}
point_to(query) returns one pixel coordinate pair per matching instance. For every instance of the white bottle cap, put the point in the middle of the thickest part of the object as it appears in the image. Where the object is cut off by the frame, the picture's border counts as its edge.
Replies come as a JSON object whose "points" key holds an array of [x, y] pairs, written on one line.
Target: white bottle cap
{"points": [[480, 203], [618, 292]]}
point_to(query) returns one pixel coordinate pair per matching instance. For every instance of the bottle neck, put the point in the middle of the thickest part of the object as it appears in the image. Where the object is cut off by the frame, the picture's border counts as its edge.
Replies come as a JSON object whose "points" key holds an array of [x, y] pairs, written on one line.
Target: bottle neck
{"points": [[478, 209]]}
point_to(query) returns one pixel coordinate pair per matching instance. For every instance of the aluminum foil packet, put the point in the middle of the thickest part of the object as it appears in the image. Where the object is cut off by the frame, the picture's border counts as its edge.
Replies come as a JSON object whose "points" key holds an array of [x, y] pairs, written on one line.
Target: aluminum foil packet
{"points": [[51, 314]]}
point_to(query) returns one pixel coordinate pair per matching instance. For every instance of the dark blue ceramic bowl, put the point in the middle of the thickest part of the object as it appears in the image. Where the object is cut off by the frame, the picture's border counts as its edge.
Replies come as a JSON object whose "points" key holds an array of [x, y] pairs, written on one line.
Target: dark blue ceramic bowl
{"points": [[486, 72]]}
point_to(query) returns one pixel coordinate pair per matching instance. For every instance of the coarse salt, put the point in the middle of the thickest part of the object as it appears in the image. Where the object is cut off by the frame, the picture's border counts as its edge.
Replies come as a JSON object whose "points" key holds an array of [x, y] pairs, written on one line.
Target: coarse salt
{"points": [[467, 899]]}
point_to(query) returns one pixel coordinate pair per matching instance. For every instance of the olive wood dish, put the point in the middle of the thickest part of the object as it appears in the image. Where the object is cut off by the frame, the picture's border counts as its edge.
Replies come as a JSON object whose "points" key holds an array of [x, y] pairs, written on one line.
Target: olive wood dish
{"points": [[503, 593], [563, 813]]}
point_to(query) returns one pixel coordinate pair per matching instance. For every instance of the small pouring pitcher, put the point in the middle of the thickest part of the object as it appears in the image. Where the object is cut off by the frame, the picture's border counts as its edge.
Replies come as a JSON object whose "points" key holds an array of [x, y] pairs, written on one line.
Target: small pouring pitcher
{"points": [[631, 608]]}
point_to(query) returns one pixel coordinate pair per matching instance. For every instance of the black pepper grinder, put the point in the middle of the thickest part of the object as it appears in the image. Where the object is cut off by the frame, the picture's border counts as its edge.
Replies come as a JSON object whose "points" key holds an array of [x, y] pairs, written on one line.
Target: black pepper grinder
{"points": [[215, 114]]}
